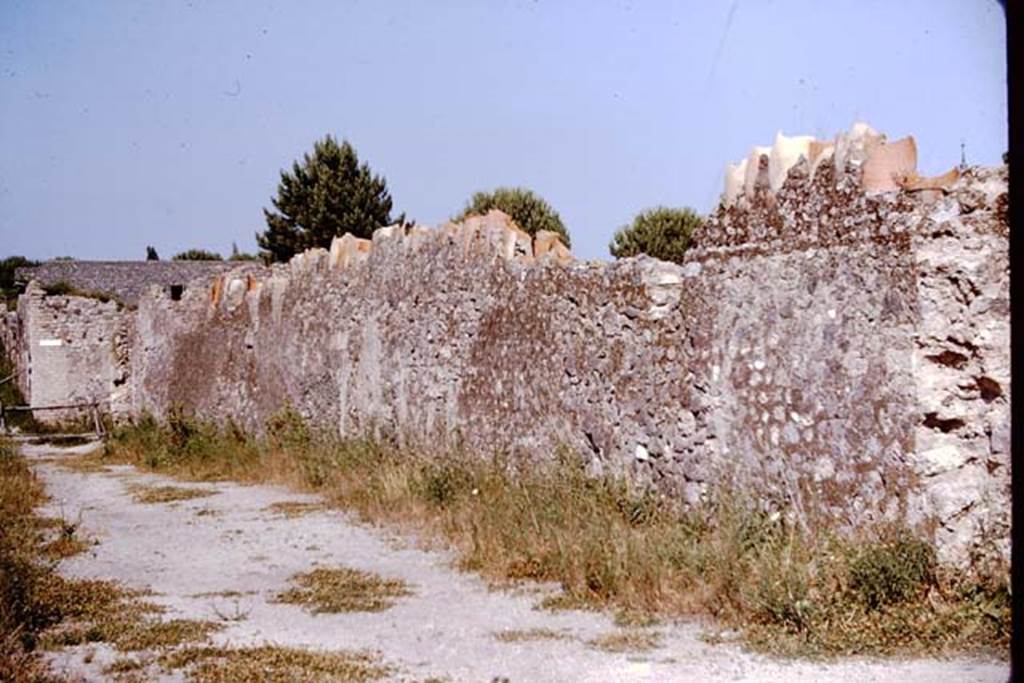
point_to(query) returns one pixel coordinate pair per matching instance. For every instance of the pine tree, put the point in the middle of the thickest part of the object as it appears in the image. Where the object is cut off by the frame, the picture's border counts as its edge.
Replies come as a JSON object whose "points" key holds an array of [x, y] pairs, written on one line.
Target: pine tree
{"points": [[151, 254], [530, 212], [661, 233], [328, 194]]}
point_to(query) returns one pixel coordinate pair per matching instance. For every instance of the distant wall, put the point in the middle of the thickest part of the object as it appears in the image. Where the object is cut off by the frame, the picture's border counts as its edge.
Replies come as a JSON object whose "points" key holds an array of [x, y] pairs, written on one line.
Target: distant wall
{"points": [[125, 280]]}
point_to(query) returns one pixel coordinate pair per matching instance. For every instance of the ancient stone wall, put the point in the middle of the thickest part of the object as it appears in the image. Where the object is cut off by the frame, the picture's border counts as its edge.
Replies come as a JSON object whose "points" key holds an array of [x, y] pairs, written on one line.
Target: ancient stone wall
{"points": [[126, 281], [73, 349], [805, 348], [835, 344]]}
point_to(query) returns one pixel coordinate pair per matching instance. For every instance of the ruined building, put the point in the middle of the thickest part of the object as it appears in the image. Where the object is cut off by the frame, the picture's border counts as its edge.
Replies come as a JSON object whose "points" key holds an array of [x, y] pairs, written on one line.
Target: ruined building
{"points": [[836, 343]]}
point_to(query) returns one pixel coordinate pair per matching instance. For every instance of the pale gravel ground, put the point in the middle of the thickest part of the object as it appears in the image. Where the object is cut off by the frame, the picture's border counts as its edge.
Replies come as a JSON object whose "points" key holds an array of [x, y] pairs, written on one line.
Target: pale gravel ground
{"points": [[446, 629]]}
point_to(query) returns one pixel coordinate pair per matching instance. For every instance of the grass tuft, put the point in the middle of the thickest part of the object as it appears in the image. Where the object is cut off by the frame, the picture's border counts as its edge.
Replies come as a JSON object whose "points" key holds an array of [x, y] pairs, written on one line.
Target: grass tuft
{"points": [[627, 641], [518, 636], [166, 494], [344, 590], [272, 664], [294, 508]]}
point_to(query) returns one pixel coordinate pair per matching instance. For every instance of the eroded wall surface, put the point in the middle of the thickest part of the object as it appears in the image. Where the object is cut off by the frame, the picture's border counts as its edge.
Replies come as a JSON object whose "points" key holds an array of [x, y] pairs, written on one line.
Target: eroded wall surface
{"points": [[73, 350], [832, 351]]}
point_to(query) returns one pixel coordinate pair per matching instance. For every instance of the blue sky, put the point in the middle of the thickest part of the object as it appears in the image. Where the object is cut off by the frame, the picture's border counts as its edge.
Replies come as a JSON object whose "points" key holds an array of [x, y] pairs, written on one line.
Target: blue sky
{"points": [[124, 124]]}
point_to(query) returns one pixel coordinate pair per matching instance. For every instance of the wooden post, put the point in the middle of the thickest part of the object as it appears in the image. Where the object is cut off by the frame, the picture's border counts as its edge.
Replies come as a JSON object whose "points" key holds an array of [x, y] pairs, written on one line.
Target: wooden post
{"points": [[97, 425]]}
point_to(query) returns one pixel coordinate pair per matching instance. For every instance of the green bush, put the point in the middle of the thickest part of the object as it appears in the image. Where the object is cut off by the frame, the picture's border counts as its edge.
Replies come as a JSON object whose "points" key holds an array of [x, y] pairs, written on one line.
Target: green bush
{"points": [[892, 571], [530, 212], [197, 255], [662, 233]]}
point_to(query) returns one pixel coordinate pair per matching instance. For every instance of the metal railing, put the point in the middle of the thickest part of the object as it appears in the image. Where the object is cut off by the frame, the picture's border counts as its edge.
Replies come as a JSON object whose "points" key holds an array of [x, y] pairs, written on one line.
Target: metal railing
{"points": [[92, 406]]}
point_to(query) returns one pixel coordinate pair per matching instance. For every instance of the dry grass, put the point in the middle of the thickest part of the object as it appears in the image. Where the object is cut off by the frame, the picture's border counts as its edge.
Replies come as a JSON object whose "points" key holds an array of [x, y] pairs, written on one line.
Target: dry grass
{"points": [[627, 641], [166, 494], [60, 538], [24, 612], [41, 609], [344, 590], [294, 508], [879, 592], [103, 611], [519, 636], [124, 665], [272, 664], [83, 464], [64, 547]]}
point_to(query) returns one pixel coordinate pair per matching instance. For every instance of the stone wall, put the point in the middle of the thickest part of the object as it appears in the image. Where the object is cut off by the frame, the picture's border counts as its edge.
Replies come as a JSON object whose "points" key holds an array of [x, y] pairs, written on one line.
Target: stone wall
{"points": [[73, 350], [806, 349], [126, 281], [829, 349]]}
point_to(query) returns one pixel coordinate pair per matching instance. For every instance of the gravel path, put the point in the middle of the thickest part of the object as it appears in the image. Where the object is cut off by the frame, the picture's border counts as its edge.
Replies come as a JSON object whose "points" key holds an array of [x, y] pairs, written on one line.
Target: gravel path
{"points": [[229, 541]]}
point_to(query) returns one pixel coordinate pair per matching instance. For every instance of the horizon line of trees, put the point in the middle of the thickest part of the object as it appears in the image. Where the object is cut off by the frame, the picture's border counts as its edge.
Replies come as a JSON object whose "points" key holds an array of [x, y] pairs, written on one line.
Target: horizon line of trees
{"points": [[330, 192]]}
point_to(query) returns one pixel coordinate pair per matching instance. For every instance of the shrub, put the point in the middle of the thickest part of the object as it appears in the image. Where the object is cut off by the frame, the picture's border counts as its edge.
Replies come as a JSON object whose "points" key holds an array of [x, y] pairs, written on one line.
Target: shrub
{"points": [[661, 233], [197, 255], [892, 571], [531, 213]]}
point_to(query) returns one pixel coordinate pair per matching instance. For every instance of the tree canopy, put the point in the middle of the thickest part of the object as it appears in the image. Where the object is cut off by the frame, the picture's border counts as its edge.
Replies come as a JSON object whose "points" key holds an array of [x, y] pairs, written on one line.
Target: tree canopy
{"points": [[529, 211], [8, 290], [328, 194], [151, 254], [197, 255], [661, 232]]}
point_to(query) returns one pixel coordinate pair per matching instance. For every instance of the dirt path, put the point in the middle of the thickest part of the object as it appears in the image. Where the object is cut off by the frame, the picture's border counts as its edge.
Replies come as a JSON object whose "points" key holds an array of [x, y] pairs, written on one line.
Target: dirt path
{"points": [[230, 541]]}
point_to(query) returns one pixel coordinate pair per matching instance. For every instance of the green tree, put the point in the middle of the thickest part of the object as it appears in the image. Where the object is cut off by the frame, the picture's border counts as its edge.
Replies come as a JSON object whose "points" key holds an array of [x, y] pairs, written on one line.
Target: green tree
{"points": [[530, 212], [662, 233], [197, 255], [328, 194], [8, 289]]}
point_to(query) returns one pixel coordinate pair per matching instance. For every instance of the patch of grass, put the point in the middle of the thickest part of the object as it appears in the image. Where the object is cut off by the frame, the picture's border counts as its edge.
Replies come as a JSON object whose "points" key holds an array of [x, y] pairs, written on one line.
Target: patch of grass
{"points": [[63, 547], [272, 664], [344, 590], [632, 618], [84, 464], [24, 612], [518, 636], [790, 591], [294, 508], [627, 641], [64, 538], [124, 665], [166, 494]]}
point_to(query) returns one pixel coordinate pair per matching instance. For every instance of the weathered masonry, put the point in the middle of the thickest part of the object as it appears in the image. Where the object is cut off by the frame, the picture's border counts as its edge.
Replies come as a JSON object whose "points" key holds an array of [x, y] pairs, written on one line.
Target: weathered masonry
{"points": [[836, 343], [73, 346]]}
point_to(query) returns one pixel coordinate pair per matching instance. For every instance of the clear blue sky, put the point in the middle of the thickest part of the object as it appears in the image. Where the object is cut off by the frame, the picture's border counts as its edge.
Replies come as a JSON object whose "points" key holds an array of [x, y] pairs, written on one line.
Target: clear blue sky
{"points": [[124, 124]]}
